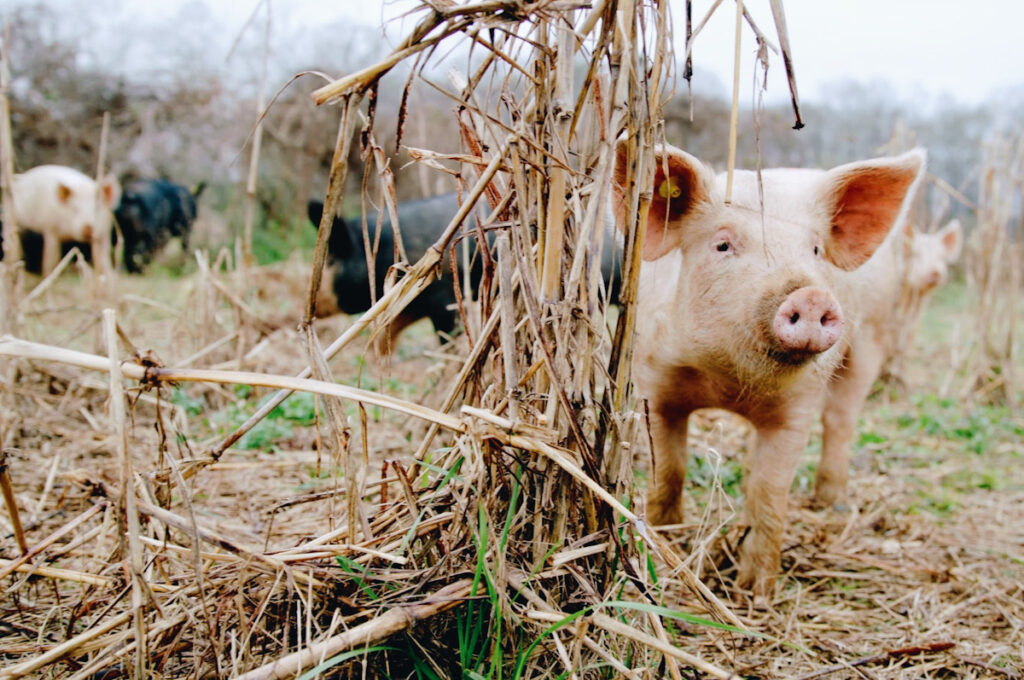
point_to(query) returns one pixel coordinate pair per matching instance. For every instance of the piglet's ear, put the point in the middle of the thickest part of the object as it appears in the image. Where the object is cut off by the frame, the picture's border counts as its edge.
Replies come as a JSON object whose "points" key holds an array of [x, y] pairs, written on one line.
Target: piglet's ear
{"points": [[315, 211], [64, 192], [110, 191], [340, 243], [866, 199], [682, 190], [952, 238]]}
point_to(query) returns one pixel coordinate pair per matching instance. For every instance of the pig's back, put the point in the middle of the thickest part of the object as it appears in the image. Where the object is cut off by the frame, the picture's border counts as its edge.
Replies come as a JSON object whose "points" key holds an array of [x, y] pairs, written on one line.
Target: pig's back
{"points": [[423, 220], [36, 205]]}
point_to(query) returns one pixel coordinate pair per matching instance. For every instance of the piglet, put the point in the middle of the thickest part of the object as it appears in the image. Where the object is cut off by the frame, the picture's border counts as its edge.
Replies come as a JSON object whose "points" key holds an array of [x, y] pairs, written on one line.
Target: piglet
{"points": [[926, 259], [63, 204], [931, 254], [756, 306]]}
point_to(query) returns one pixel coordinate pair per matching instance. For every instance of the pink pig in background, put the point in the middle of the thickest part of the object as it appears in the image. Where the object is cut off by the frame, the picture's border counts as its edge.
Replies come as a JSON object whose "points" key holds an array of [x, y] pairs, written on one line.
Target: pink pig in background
{"points": [[931, 254], [63, 204], [767, 309], [927, 259]]}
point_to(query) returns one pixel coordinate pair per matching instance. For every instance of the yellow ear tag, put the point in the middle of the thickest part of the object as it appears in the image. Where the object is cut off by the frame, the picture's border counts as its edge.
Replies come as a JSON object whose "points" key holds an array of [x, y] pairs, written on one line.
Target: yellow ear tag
{"points": [[669, 188]]}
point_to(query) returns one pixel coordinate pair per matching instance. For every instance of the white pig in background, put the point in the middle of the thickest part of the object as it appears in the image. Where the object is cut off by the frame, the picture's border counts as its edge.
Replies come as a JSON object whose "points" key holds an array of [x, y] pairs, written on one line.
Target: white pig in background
{"points": [[931, 254], [767, 309], [927, 259], [63, 204]]}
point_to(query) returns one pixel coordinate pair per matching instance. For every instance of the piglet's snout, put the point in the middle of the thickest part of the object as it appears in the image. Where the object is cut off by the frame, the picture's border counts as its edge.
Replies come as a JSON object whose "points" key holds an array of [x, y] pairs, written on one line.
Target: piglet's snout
{"points": [[808, 320]]}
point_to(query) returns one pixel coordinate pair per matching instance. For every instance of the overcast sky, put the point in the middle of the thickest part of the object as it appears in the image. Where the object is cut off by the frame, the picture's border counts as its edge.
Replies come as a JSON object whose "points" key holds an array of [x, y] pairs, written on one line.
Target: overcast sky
{"points": [[922, 48], [971, 50]]}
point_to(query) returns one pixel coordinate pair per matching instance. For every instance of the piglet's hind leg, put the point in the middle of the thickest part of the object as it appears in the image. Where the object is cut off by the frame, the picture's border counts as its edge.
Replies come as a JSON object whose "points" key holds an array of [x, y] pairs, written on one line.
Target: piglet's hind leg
{"points": [[845, 399]]}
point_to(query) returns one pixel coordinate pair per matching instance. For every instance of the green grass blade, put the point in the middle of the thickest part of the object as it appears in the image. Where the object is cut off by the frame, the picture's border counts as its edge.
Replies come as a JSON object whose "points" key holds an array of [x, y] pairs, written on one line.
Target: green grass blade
{"points": [[344, 656], [525, 656]]}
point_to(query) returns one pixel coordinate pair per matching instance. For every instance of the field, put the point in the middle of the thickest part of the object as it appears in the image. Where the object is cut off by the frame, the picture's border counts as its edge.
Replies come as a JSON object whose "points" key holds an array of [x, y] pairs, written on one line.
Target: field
{"points": [[920, 577], [476, 509]]}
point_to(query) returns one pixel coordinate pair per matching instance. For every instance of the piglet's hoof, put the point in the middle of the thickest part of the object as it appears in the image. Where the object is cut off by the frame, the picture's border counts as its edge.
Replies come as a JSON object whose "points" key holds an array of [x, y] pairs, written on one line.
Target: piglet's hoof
{"points": [[758, 587], [758, 566], [665, 516], [833, 503]]}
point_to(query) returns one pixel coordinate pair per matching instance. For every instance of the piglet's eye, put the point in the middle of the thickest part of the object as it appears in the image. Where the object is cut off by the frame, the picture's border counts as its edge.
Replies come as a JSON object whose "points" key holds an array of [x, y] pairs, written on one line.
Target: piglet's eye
{"points": [[816, 250], [722, 247]]}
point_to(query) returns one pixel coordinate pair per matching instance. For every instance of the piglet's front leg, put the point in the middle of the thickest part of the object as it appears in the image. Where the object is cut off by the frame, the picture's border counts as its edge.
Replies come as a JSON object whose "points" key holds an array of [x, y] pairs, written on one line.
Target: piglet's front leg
{"points": [[668, 466], [771, 468]]}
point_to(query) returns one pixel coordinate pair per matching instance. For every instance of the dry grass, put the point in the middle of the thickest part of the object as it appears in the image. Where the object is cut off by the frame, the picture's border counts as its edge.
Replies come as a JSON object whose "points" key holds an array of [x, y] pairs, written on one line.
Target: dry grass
{"points": [[474, 511], [932, 552]]}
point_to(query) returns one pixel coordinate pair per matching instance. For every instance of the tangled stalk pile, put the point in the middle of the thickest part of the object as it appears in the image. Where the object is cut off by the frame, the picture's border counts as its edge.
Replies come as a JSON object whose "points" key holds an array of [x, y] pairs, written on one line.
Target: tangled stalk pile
{"points": [[504, 537]]}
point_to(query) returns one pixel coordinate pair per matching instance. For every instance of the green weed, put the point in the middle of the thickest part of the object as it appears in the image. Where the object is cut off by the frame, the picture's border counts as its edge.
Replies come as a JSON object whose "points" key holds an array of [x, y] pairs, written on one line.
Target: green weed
{"points": [[358, 573], [969, 480], [977, 427], [300, 408], [340, 658], [272, 431], [939, 505], [193, 406], [868, 438], [702, 471], [276, 241]]}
